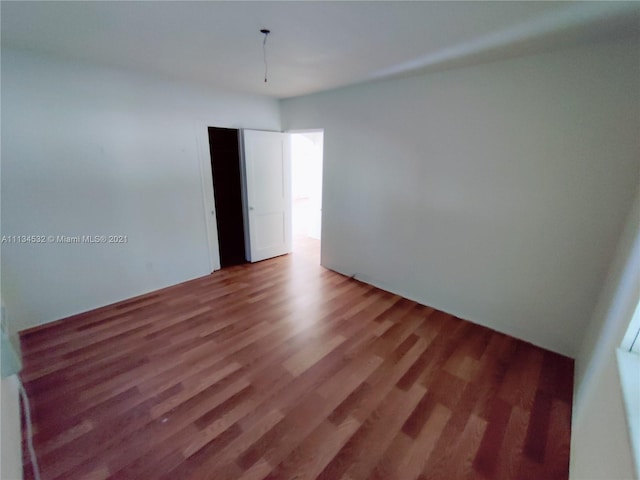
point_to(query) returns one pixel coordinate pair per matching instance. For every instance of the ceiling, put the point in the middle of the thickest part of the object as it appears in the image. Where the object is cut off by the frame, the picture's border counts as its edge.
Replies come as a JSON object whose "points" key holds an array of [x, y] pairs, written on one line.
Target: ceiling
{"points": [[313, 46]]}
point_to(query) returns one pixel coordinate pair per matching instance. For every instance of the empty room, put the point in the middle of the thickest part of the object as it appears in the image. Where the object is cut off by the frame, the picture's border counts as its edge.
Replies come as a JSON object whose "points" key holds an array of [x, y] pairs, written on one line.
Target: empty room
{"points": [[452, 292]]}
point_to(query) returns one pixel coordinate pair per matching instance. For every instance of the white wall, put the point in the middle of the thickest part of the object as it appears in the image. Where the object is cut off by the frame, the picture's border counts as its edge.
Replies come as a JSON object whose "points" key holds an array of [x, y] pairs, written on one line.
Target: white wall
{"points": [[600, 445], [10, 435], [95, 151], [495, 192]]}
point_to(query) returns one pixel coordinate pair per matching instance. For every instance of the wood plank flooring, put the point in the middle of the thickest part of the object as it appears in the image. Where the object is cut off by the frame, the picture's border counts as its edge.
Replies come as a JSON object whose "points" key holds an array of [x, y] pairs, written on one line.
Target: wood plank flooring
{"points": [[283, 370]]}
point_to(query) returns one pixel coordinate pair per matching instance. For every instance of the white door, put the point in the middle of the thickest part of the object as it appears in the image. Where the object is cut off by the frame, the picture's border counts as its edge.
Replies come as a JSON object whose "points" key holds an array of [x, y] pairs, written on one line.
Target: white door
{"points": [[268, 193]]}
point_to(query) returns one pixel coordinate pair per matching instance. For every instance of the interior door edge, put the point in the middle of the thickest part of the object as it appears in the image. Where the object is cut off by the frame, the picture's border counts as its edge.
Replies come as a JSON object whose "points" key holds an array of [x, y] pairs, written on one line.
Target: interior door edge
{"points": [[245, 200]]}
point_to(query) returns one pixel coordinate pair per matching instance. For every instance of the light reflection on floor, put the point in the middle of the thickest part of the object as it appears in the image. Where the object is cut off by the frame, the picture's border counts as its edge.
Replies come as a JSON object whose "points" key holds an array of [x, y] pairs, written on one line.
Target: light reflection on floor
{"points": [[305, 269]]}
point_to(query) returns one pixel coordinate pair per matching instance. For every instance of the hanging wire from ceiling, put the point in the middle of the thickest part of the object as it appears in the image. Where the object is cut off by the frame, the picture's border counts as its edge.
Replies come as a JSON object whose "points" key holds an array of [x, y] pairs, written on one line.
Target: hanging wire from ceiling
{"points": [[266, 33]]}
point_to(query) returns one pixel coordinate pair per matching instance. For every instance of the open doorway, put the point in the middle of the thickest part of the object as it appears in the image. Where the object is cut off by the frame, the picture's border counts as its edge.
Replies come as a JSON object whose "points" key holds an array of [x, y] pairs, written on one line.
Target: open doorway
{"points": [[306, 178], [227, 193]]}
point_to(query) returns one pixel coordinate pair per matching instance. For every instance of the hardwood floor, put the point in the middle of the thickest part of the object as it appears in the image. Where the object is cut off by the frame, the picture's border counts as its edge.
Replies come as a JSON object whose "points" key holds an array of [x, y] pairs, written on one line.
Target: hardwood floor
{"points": [[282, 370]]}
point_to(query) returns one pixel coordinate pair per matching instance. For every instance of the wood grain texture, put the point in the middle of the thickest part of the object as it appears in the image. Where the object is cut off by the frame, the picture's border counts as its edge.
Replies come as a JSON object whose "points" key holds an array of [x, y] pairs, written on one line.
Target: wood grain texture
{"points": [[283, 370]]}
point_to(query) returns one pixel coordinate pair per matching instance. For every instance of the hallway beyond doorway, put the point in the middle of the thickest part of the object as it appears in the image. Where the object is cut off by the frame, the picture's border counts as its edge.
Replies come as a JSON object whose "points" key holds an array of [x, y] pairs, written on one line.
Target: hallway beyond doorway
{"points": [[306, 173], [307, 248]]}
